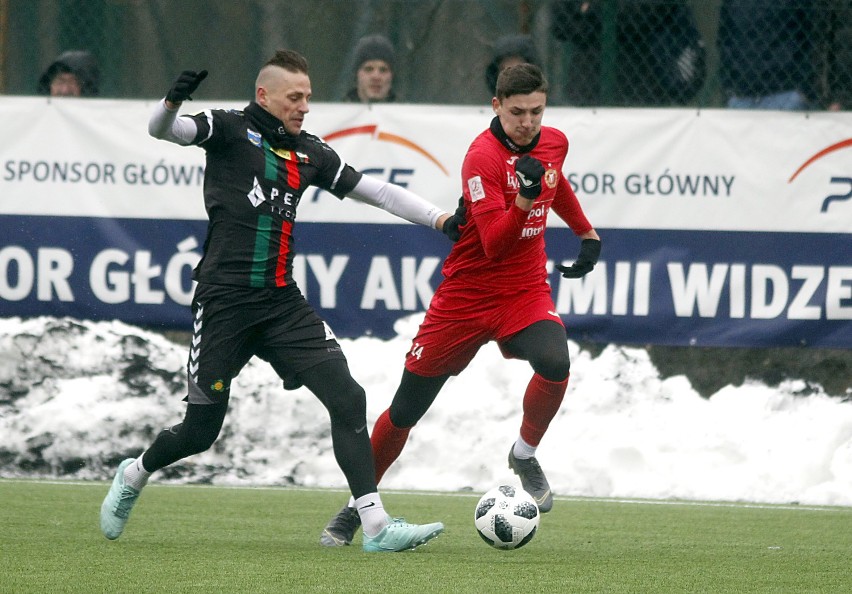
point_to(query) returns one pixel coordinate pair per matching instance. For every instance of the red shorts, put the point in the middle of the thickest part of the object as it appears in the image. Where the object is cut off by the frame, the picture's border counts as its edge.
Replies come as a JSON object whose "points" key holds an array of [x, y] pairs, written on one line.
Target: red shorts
{"points": [[461, 319]]}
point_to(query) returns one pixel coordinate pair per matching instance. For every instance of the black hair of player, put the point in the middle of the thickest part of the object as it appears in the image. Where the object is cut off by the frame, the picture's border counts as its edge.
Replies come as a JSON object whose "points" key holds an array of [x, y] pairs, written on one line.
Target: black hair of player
{"points": [[521, 79]]}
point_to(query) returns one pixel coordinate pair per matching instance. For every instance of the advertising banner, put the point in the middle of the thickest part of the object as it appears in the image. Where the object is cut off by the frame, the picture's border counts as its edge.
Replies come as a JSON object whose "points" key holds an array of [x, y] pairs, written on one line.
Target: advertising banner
{"points": [[720, 228]]}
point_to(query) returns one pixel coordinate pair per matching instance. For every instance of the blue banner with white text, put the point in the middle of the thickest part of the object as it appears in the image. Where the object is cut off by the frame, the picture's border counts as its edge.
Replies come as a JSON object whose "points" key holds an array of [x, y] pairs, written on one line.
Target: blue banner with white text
{"points": [[706, 288]]}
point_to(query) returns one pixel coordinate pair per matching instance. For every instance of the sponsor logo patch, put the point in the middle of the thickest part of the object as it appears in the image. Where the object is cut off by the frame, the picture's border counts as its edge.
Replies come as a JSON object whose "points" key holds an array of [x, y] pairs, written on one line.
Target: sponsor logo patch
{"points": [[256, 196], [477, 192]]}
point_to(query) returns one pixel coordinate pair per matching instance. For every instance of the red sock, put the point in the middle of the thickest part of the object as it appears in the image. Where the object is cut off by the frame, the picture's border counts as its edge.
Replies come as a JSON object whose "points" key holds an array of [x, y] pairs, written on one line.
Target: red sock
{"points": [[388, 441], [541, 403]]}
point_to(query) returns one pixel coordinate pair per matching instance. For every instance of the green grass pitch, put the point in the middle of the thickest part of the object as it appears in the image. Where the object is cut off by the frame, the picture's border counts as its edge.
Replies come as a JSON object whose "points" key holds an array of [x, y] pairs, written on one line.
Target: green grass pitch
{"points": [[212, 539]]}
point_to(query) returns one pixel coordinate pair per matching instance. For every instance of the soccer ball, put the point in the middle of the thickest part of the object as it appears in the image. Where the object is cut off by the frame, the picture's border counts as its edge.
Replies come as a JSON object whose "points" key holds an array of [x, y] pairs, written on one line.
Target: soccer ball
{"points": [[506, 517]]}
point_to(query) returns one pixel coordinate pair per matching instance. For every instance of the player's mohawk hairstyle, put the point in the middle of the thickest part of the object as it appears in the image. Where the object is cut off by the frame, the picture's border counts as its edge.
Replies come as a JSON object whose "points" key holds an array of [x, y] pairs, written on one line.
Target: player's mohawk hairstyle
{"points": [[289, 60]]}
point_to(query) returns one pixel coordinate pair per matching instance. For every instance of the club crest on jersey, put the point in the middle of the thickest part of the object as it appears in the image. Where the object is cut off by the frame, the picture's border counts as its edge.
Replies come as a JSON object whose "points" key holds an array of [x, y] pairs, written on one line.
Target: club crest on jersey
{"points": [[254, 137], [551, 178], [477, 192]]}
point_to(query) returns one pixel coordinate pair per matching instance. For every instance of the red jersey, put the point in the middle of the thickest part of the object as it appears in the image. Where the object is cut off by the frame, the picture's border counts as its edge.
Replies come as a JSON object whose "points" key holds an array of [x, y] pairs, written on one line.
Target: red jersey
{"points": [[502, 247]]}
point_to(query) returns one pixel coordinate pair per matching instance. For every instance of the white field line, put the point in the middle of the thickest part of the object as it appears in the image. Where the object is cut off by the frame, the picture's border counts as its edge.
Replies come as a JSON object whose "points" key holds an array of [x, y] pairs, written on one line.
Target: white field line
{"points": [[465, 494]]}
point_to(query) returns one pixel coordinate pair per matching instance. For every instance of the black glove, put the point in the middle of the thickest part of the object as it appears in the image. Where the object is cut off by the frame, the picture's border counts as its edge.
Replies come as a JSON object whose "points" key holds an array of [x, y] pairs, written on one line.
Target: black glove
{"points": [[456, 220], [590, 251], [185, 86], [529, 171]]}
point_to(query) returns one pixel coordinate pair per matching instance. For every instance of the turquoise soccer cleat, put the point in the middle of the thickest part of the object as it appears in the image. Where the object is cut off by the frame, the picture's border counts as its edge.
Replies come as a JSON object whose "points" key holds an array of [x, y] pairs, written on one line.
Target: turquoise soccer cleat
{"points": [[399, 535], [117, 504]]}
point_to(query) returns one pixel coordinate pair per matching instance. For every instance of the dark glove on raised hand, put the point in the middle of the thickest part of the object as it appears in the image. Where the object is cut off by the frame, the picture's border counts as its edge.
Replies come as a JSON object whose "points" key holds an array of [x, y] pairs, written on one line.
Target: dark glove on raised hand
{"points": [[529, 171], [185, 86], [590, 251], [456, 220]]}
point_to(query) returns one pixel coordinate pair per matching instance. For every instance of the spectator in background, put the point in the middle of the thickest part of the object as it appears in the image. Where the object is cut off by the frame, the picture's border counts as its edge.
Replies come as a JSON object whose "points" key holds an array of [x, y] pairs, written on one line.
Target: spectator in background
{"points": [[75, 73], [766, 54], [837, 67], [510, 50], [659, 55], [374, 61]]}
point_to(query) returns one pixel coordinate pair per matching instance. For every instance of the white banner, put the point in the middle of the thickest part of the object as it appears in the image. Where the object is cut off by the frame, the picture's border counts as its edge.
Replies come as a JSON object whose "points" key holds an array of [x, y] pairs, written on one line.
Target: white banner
{"points": [[633, 169]]}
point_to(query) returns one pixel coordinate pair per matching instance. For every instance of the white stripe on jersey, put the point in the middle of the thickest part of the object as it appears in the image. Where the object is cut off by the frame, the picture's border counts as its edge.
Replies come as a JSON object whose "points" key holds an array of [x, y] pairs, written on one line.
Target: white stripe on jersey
{"points": [[209, 115], [337, 175]]}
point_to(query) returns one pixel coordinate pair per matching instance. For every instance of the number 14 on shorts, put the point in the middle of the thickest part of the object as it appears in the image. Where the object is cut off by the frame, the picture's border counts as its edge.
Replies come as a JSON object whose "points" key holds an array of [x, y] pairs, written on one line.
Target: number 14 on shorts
{"points": [[416, 351]]}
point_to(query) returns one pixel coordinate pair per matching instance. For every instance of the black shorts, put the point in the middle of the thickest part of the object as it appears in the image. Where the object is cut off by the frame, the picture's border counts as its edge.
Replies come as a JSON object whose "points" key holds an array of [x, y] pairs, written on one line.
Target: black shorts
{"points": [[232, 324]]}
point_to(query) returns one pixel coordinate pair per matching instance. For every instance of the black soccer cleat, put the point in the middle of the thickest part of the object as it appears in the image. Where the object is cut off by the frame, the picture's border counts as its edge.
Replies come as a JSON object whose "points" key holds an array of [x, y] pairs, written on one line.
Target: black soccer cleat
{"points": [[532, 480], [341, 529]]}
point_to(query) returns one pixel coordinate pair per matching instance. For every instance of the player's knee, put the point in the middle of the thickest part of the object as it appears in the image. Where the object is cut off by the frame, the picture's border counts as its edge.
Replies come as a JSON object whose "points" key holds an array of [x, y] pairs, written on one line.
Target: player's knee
{"points": [[195, 434], [553, 367], [200, 441], [349, 407], [403, 417], [192, 440]]}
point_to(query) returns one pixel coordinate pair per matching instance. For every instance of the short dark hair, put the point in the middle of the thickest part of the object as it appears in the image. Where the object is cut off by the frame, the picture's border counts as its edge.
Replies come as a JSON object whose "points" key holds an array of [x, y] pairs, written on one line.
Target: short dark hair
{"points": [[521, 79], [288, 60]]}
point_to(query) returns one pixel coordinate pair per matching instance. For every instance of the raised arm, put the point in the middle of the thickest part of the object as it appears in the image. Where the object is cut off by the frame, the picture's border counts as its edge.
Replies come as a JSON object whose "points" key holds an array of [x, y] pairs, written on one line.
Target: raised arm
{"points": [[164, 123]]}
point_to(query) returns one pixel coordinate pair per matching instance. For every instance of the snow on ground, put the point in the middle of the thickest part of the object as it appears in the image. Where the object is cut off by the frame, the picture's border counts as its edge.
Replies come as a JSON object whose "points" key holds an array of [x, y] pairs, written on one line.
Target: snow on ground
{"points": [[76, 397]]}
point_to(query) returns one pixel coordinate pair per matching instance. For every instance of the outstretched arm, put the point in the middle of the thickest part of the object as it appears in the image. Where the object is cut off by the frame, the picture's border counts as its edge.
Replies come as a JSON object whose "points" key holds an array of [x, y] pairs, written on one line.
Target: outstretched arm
{"points": [[399, 201]]}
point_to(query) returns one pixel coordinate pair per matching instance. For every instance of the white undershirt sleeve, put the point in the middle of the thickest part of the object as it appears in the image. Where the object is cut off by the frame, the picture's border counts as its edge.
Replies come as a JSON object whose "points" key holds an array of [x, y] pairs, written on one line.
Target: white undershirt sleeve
{"points": [[165, 125], [396, 200]]}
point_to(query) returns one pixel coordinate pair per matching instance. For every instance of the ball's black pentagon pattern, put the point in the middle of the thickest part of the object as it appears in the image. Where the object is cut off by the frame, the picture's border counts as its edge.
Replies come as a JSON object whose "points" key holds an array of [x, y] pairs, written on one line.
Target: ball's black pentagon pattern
{"points": [[483, 507], [526, 510], [503, 528], [507, 490]]}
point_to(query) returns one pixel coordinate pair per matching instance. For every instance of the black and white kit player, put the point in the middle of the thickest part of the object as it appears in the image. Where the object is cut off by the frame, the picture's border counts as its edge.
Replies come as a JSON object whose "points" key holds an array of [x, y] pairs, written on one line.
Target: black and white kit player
{"points": [[259, 162]]}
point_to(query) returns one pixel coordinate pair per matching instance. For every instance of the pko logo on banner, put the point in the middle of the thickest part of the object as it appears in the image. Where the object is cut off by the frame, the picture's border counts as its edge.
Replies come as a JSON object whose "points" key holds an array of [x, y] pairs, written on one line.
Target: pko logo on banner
{"points": [[844, 183], [394, 172]]}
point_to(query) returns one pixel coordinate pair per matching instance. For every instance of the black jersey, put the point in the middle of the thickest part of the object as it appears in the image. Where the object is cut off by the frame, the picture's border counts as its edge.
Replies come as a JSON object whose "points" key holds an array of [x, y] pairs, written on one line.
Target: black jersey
{"points": [[251, 192]]}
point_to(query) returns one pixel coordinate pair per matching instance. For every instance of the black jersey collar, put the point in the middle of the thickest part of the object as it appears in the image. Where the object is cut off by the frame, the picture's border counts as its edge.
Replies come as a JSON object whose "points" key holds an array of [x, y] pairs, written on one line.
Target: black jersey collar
{"points": [[500, 134], [270, 127]]}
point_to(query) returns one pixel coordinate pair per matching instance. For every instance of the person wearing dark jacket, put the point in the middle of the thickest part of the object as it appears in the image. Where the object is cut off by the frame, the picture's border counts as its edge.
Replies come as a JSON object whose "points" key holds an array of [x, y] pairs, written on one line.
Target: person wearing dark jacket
{"points": [[510, 50], [74, 73], [766, 54], [374, 63], [659, 57], [837, 56]]}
